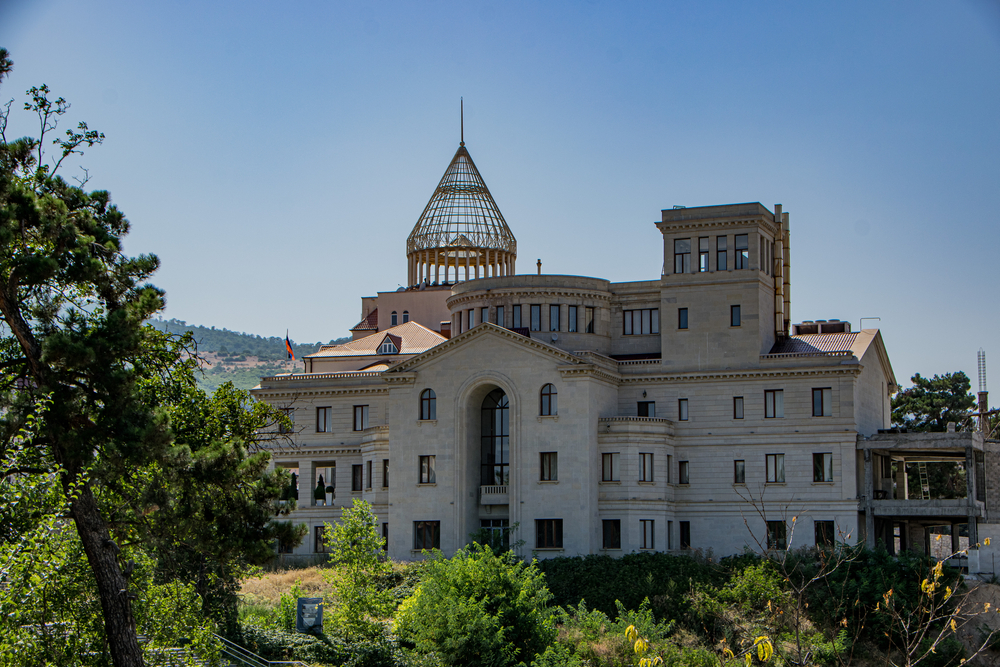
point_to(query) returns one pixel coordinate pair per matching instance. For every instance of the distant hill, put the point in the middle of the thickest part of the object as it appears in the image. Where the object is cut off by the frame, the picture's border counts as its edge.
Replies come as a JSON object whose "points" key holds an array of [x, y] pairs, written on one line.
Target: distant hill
{"points": [[238, 357]]}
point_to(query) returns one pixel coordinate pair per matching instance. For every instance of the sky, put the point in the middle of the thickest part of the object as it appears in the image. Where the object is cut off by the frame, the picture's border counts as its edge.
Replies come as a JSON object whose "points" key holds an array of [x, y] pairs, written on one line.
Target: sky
{"points": [[275, 156]]}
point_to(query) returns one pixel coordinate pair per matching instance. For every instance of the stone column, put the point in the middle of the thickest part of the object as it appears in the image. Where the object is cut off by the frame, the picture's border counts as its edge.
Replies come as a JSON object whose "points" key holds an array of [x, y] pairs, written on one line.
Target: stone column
{"points": [[869, 507], [437, 266]]}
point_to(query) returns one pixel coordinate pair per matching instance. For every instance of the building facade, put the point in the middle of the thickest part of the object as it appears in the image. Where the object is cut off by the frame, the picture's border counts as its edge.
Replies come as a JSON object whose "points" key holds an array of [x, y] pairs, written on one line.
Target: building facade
{"points": [[686, 411]]}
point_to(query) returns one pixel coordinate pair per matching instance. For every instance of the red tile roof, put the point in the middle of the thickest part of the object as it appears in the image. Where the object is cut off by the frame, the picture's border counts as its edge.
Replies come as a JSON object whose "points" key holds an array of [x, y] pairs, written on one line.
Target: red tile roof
{"points": [[370, 323], [815, 344]]}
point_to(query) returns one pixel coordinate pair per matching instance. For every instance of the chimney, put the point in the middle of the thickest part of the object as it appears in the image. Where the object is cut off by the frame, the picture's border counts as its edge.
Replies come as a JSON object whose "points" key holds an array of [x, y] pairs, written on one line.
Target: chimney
{"points": [[539, 267], [446, 328]]}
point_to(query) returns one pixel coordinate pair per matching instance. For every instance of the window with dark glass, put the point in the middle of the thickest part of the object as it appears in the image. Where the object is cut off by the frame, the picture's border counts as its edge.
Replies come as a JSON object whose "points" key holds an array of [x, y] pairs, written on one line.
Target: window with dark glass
{"points": [[742, 249], [385, 536], [775, 468], [739, 472], [703, 253], [612, 533], [472, 317], [393, 317], [426, 534], [721, 261], [822, 402], [571, 318], [774, 403], [536, 317], [548, 533], [776, 535], [641, 321], [427, 472], [368, 474], [590, 319], [496, 532], [495, 439], [549, 466], [682, 255], [360, 417], [385, 473], [324, 422], [484, 315], [737, 407], [406, 316], [824, 533], [682, 409], [682, 318], [356, 477], [549, 405], [823, 467], [734, 316], [609, 467], [498, 314], [683, 472], [647, 408], [428, 404], [646, 467], [553, 317], [685, 529], [670, 465], [648, 538], [670, 535], [516, 314]]}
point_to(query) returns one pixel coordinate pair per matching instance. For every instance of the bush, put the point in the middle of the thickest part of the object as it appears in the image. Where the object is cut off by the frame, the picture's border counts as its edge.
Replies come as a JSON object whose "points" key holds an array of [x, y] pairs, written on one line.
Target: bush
{"points": [[478, 608]]}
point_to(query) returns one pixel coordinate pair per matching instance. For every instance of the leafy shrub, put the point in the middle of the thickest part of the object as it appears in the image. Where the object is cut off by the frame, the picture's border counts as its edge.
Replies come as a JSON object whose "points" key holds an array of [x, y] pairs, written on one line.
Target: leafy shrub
{"points": [[273, 644]]}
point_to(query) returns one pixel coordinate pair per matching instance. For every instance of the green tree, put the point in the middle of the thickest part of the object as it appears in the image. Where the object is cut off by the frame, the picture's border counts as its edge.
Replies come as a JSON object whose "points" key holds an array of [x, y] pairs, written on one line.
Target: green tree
{"points": [[479, 608], [358, 573], [931, 403]]}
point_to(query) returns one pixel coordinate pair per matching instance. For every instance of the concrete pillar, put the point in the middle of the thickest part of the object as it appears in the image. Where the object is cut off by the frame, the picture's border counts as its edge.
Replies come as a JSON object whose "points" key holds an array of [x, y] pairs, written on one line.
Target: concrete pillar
{"points": [[902, 486], [437, 266], [970, 483], [916, 537], [869, 495], [954, 538]]}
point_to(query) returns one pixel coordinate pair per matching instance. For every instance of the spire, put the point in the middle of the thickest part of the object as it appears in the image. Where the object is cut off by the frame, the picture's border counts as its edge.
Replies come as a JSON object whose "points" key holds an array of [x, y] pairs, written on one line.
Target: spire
{"points": [[461, 103]]}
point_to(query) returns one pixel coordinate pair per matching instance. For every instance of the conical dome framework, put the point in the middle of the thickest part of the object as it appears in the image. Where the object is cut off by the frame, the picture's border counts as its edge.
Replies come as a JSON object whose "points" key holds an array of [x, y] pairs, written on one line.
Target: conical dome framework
{"points": [[460, 228]]}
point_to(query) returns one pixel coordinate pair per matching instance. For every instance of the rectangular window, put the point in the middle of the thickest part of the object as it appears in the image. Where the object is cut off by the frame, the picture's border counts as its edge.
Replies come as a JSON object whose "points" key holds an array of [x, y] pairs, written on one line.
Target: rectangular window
{"points": [[571, 319], [825, 536], [385, 473], [647, 408], [612, 533], [682, 255], [318, 534], [648, 537], [737, 407], [776, 537], [682, 409], [742, 251], [516, 314], [644, 321], [685, 527], [289, 427], [550, 466], [385, 536], [822, 467], [703, 254], [682, 318], [590, 319], [554, 317], [775, 468], [609, 467], [774, 403], [822, 402], [536, 317], [427, 474], [360, 417], [645, 467], [683, 472], [484, 315], [356, 474], [734, 316], [739, 472], [368, 474], [498, 317], [721, 261], [548, 533], [670, 535], [472, 318], [426, 534], [496, 532], [324, 423], [761, 244], [670, 465]]}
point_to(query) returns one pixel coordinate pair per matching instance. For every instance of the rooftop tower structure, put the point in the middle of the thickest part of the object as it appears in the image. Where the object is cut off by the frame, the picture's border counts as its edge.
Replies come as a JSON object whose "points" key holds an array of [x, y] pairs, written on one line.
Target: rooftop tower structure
{"points": [[461, 235]]}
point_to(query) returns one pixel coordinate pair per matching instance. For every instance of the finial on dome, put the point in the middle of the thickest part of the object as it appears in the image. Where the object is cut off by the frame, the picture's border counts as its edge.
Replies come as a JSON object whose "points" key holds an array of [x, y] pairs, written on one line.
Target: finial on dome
{"points": [[461, 103]]}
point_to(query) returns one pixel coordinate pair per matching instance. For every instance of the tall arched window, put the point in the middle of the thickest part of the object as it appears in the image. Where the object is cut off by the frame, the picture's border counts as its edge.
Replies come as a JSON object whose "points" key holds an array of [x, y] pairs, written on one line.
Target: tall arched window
{"points": [[549, 405], [406, 316], [495, 465], [393, 318], [428, 404]]}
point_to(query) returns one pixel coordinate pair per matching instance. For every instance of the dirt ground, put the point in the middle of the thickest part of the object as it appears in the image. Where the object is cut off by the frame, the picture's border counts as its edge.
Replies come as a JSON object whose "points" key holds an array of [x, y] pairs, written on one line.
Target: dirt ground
{"points": [[975, 603]]}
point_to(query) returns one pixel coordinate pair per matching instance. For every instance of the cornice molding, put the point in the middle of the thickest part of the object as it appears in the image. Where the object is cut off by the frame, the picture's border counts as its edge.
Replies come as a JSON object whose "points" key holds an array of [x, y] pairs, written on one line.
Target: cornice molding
{"points": [[521, 292], [304, 392], [740, 375]]}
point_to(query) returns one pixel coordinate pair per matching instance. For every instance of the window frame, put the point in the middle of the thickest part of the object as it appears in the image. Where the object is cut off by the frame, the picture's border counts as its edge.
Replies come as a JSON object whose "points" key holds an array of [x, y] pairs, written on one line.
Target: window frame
{"points": [[591, 317], [721, 253], [424, 532], [825, 405], [685, 534], [684, 472], [385, 473], [357, 478], [774, 404], [682, 319], [406, 316], [290, 413], [393, 319], [427, 469], [682, 410], [428, 405], [741, 253], [648, 406], [484, 314], [703, 254], [739, 471], [548, 466], [516, 321], [739, 405], [548, 401], [471, 313], [682, 257], [774, 467], [646, 466], [548, 533], [572, 319], [324, 419], [611, 534], [368, 475], [735, 316], [611, 466], [825, 533], [555, 309], [641, 322], [822, 467], [498, 316], [535, 319], [362, 412], [777, 535], [648, 529]]}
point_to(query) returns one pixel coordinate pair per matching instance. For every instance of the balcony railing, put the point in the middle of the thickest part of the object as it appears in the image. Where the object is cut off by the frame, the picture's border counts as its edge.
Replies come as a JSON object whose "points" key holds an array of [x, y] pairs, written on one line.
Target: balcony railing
{"points": [[493, 494]]}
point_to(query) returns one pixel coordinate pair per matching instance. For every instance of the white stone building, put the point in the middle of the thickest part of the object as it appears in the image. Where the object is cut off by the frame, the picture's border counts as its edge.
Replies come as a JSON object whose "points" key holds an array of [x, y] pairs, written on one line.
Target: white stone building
{"points": [[683, 411]]}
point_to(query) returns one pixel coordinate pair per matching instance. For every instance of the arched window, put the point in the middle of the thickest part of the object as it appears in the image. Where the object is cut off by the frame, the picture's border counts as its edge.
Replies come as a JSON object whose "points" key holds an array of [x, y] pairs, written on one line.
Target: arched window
{"points": [[406, 316], [393, 318], [495, 462], [428, 404], [549, 405]]}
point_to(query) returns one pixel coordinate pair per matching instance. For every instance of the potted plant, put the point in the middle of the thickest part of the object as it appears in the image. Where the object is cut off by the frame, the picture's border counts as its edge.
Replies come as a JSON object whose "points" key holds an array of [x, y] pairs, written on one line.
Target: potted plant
{"points": [[330, 495], [319, 493]]}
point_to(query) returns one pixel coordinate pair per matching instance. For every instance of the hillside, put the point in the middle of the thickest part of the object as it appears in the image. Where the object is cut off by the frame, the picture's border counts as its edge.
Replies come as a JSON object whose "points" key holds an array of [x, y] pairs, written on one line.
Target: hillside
{"points": [[237, 357]]}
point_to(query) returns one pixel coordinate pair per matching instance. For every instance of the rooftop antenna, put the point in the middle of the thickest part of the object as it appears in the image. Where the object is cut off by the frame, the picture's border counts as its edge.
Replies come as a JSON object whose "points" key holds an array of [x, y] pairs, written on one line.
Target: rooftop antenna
{"points": [[461, 106], [981, 363], [984, 401]]}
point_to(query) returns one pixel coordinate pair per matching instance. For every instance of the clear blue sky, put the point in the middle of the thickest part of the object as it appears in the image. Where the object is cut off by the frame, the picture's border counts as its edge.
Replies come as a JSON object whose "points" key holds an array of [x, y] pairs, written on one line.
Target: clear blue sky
{"points": [[276, 155]]}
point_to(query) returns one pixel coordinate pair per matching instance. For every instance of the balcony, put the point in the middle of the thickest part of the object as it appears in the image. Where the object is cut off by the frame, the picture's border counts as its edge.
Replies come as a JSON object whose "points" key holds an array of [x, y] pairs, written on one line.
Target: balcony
{"points": [[493, 494]]}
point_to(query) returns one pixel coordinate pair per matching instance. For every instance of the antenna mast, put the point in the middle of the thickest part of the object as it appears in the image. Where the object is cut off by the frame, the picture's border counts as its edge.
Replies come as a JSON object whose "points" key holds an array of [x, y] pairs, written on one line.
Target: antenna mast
{"points": [[461, 103], [984, 402]]}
